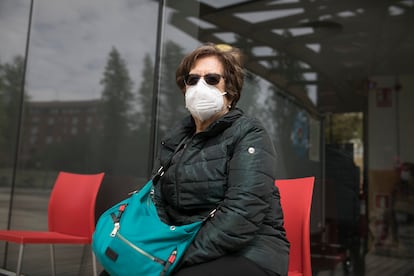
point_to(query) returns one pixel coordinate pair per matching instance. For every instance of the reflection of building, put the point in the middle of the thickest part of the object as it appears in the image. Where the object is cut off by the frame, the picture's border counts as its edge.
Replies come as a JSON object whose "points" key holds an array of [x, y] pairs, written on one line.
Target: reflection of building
{"points": [[53, 122]]}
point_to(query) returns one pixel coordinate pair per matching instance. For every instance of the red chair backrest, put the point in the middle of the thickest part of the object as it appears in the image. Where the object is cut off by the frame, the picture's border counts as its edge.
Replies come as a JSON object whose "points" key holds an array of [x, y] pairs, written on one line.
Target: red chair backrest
{"points": [[296, 200], [71, 208]]}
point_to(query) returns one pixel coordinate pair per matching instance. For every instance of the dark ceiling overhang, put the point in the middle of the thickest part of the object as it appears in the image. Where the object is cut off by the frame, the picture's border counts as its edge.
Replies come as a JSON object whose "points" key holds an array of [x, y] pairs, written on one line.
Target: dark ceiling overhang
{"points": [[355, 40]]}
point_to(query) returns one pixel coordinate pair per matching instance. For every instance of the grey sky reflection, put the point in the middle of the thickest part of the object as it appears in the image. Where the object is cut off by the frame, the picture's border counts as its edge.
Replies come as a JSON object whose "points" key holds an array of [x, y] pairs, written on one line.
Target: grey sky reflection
{"points": [[70, 42], [13, 26], [73, 40]]}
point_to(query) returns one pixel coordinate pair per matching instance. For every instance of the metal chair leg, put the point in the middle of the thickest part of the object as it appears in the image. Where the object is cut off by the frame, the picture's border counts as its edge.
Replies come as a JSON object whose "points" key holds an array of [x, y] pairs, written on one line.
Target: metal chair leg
{"points": [[20, 259], [95, 273], [52, 259]]}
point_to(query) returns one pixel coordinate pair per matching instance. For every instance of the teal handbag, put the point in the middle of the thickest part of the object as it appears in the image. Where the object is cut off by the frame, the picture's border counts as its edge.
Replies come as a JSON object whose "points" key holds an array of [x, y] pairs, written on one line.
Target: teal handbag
{"points": [[131, 239]]}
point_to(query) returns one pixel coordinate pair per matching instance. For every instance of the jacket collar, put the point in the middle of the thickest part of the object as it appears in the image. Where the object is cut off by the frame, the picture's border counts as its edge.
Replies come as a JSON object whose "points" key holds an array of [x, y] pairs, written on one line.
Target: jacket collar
{"points": [[217, 126], [186, 127]]}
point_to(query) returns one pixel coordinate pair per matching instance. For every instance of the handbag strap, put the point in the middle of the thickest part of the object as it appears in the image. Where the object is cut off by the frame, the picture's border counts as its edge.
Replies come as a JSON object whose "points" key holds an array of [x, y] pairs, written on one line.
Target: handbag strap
{"points": [[164, 168], [167, 164]]}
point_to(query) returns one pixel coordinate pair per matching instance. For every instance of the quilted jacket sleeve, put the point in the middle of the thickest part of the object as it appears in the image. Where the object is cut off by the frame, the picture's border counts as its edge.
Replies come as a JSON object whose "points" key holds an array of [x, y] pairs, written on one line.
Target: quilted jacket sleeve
{"points": [[250, 184]]}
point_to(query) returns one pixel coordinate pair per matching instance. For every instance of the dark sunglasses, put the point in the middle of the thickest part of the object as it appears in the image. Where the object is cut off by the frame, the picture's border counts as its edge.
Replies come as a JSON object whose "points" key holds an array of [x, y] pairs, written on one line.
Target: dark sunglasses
{"points": [[211, 79]]}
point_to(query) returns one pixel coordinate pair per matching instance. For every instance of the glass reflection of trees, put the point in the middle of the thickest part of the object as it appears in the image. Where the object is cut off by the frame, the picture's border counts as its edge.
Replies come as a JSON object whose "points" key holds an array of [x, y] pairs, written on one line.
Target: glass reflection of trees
{"points": [[11, 75], [115, 114], [118, 144], [115, 145], [171, 100]]}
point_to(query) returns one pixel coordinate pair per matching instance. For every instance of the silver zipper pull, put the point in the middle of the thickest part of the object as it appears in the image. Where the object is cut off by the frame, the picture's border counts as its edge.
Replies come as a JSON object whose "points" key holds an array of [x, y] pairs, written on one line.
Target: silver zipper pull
{"points": [[116, 229], [212, 213]]}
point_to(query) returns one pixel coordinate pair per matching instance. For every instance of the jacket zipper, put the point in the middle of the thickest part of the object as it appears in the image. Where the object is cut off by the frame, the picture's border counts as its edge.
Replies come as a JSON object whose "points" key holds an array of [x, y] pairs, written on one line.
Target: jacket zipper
{"points": [[185, 145]]}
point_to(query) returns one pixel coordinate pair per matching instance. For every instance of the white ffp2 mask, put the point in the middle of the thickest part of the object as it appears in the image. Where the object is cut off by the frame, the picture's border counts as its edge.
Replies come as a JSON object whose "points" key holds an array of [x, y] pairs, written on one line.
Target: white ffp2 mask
{"points": [[203, 100]]}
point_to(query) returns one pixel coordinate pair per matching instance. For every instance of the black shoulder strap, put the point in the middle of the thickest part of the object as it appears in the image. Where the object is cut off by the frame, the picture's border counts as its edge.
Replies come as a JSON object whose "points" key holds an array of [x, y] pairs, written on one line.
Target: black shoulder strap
{"points": [[164, 168]]}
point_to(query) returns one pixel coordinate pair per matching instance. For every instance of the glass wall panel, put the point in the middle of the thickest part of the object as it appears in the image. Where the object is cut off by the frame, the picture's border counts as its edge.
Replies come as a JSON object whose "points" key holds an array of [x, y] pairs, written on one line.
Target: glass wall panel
{"points": [[87, 108], [331, 85], [14, 18]]}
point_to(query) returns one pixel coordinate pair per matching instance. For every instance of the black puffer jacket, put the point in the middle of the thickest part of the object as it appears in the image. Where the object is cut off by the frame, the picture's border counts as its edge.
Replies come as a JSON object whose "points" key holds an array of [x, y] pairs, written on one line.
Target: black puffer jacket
{"points": [[230, 165]]}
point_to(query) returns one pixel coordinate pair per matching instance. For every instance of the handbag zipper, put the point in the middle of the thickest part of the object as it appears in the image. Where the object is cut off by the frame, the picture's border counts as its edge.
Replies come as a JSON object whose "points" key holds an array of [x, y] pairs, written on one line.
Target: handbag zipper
{"points": [[117, 218], [139, 250]]}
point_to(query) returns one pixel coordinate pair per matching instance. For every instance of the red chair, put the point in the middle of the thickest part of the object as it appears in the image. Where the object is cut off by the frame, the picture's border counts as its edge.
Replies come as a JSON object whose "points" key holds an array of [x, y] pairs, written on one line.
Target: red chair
{"points": [[296, 201], [71, 216]]}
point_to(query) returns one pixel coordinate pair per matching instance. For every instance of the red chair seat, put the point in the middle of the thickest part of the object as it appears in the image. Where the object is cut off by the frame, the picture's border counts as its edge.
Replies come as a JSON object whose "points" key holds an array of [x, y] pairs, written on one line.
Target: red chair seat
{"points": [[41, 237]]}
